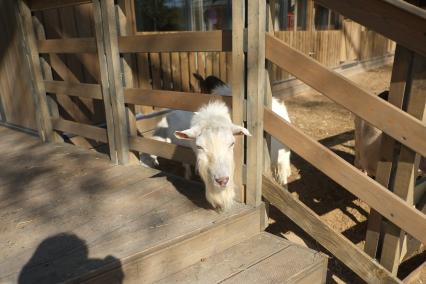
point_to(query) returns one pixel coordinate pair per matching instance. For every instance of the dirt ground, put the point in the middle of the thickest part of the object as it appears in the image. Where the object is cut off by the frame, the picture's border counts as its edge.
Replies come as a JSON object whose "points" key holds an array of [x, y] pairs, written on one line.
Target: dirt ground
{"points": [[333, 126]]}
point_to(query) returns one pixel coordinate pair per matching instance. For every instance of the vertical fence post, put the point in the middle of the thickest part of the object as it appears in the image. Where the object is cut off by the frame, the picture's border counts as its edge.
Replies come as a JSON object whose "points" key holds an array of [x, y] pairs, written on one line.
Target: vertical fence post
{"points": [[44, 123], [111, 77], [238, 90], [128, 63], [406, 167], [397, 90], [255, 98]]}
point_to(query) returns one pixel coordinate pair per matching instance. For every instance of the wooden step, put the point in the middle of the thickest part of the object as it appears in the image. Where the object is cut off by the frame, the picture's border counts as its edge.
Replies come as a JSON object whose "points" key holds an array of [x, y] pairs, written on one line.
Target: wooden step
{"points": [[154, 263], [263, 258]]}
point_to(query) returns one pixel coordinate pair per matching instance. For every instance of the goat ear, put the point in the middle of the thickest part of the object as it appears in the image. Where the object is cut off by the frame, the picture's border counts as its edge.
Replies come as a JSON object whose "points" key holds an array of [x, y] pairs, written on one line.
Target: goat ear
{"points": [[188, 134], [239, 130]]}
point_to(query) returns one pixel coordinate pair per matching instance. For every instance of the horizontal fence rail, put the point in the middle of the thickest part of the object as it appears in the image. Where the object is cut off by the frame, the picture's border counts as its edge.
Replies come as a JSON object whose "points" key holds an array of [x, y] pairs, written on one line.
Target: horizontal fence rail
{"points": [[378, 197], [80, 129], [393, 121], [177, 42], [67, 45], [92, 91], [162, 149], [171, 99], [39, 5], [395, 19]]}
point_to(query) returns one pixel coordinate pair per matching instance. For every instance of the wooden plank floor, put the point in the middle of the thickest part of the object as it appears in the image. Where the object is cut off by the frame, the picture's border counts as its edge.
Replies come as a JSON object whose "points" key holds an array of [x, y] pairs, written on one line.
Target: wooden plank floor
{"points": [[65, 211]]}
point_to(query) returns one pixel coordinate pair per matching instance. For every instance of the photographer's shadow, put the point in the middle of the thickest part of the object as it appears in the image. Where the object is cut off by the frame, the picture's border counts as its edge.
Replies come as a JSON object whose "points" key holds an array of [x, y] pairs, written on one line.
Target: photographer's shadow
{"points": [[64, 257]]}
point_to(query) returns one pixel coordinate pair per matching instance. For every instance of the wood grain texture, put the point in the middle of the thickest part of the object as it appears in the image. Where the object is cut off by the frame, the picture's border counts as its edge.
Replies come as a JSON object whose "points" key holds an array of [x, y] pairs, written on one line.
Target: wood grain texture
{"points": [[375, 195], [397, 90], [342, 248], [176, 42], [84, 130], [92, 91], [253, 254], [37, 5], [104, 79], [39, 94], [170, 99], [238, 89], [407, 166], [397, 20], [67, 45], [394, 122], [255, 99], [163, 149], [63, 216]]}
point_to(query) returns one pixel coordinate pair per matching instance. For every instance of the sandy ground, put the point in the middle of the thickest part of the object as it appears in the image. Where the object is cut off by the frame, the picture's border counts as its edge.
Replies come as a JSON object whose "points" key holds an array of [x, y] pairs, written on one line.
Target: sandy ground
{"points": [[333, 126]]}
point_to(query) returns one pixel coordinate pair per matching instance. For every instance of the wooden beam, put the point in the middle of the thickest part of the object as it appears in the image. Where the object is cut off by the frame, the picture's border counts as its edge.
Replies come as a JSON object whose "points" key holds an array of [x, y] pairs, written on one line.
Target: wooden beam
{"points": [[395, 19], [171, 99], [177, 42], [368, 190], [407, 166], [84, 130], [112, 72], [103, 67], [163, 149], [255, 99], [38, 5], [129, 65], [398, 86], [92, 91], [393, 121], [44, 124], [342, 248], [238, 90], [67, 45]]}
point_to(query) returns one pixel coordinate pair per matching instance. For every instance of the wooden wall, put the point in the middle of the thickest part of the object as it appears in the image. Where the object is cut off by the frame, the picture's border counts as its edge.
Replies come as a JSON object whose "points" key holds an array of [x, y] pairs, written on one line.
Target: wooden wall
{"points": [[16, 105], [170, 71]]}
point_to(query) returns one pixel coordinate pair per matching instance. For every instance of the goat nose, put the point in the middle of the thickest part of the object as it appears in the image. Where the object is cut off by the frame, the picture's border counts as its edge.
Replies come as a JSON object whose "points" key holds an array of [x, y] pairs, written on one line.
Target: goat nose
{"points": [[223, 181]]}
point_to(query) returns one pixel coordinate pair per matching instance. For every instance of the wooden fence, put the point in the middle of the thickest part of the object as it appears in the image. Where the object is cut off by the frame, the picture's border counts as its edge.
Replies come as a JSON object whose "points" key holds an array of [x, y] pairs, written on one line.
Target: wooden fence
{"points": [[110, 50]]}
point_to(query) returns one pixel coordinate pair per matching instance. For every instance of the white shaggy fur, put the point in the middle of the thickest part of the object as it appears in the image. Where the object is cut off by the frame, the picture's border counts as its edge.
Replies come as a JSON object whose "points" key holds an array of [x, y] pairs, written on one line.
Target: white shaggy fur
{"points": [[280, 154], [210, 133], [368, 141]]}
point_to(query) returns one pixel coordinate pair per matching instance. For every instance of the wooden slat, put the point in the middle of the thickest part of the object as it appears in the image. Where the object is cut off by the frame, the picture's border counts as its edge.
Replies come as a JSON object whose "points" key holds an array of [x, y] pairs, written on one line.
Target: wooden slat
{"points": [[255, 99], [67, 45], [104, 80], [109, 23], [397, 90], [85, 130], [163, 149], [92, 91], [378, 197], [407, 166], [396, 123], [39, 94], [128, 65], [395, 19], [170, 99], [342, 248], [37, 5], [177, 42], [238, 90]]}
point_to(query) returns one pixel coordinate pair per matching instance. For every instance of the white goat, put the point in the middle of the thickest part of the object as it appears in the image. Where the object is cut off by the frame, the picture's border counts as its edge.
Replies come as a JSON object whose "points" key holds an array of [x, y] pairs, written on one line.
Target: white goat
{"points": [[210, 132], [280, 154], [368, 141]]}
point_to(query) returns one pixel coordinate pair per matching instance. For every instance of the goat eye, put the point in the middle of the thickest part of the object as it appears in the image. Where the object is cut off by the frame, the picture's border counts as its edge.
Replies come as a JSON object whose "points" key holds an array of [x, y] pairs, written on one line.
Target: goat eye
{"points": [[200, 148], [232, 145]]}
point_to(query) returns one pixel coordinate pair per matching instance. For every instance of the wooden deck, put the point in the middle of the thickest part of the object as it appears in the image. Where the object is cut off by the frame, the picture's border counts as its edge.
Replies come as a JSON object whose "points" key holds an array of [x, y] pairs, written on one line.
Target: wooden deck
{"points": [[66, 211]]}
